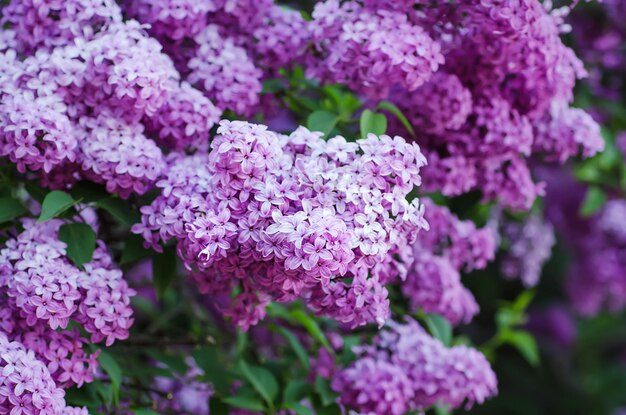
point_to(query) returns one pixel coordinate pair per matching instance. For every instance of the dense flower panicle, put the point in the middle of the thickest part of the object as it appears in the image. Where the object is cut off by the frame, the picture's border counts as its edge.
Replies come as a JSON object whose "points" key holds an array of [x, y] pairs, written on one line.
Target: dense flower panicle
{"points": [[171, 19], [371, 50], [433, 282], [25, 384], [35, 133], [291, 216], [118, 154], [43, 291], [185, 120], [406, 370], [529, 247], [46, 24], [565, 132], [122, 68], [441, 104], [225, 72]]}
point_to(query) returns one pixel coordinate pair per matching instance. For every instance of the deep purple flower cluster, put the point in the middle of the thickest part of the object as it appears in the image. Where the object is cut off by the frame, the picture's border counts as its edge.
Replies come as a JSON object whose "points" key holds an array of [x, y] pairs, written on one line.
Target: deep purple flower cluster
{"points": [[502, 94], [529, 246], [407, 370], [286, 217], [370, 50], [43, 291], [597, 245], [433, 282]]}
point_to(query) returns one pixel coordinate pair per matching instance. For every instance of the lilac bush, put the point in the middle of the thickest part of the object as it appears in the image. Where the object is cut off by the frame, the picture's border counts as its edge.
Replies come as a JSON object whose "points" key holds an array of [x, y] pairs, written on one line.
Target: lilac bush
{"points": [[163, 250]]}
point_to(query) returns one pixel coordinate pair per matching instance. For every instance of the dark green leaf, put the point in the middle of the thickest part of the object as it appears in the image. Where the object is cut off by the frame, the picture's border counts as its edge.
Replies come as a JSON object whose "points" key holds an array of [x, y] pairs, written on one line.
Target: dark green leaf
{"points": [[35, 191], [174, 362], [143, 411], [261, 379], [299, 409], [524, 342], [392, 108], [163, 270], [245, 402], [210, 361], [594, 200], [296, 346], [133, 249], [295, 391], [439, 328], [120, 210], [55, 203], [323, 121], [333, 409], [113, 369], [10, 209], [311, 326], [271, 86], [88, 192], [80, 239], [217, 406], [372, 122], [322, 387]]}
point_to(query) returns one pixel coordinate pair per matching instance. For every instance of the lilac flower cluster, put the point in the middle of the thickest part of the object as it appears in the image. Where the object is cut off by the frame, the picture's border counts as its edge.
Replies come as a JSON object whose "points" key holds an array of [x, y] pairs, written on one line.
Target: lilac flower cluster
{"points": [[368, 49], [43, 291], [529, 247], [287, 217], [433, 282], [84, 95], [26, 386], [407, 370], [225, 48], [502, 94]]}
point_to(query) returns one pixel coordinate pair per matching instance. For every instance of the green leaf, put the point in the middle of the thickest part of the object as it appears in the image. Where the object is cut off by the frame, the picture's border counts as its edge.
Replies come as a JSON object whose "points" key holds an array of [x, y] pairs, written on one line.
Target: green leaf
{"points": [[392, 108], [333, 409], [245, 402], [261, 379], [120, 210], [217, 406], [271, 86], [210, 361], [372, 122], [594, 200], [133, 249], [311, 326], [163, 270], [523, 300], [296, 346], [441, 410], [35, 191], [143, 411], [80, 239], [295, 391], [524, 342], [55, 203], [174, 362], [439, 328], [88, 192], [323, 121], [298, 408], [113, 369], [322, 387], [10, 209]]}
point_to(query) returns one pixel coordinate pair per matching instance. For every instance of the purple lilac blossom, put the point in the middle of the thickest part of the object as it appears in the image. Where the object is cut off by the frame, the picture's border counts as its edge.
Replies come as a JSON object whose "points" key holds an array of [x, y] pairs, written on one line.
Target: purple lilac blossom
{"points": [[287, 217], [405, 369], [433, 282], [530, 246]]}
